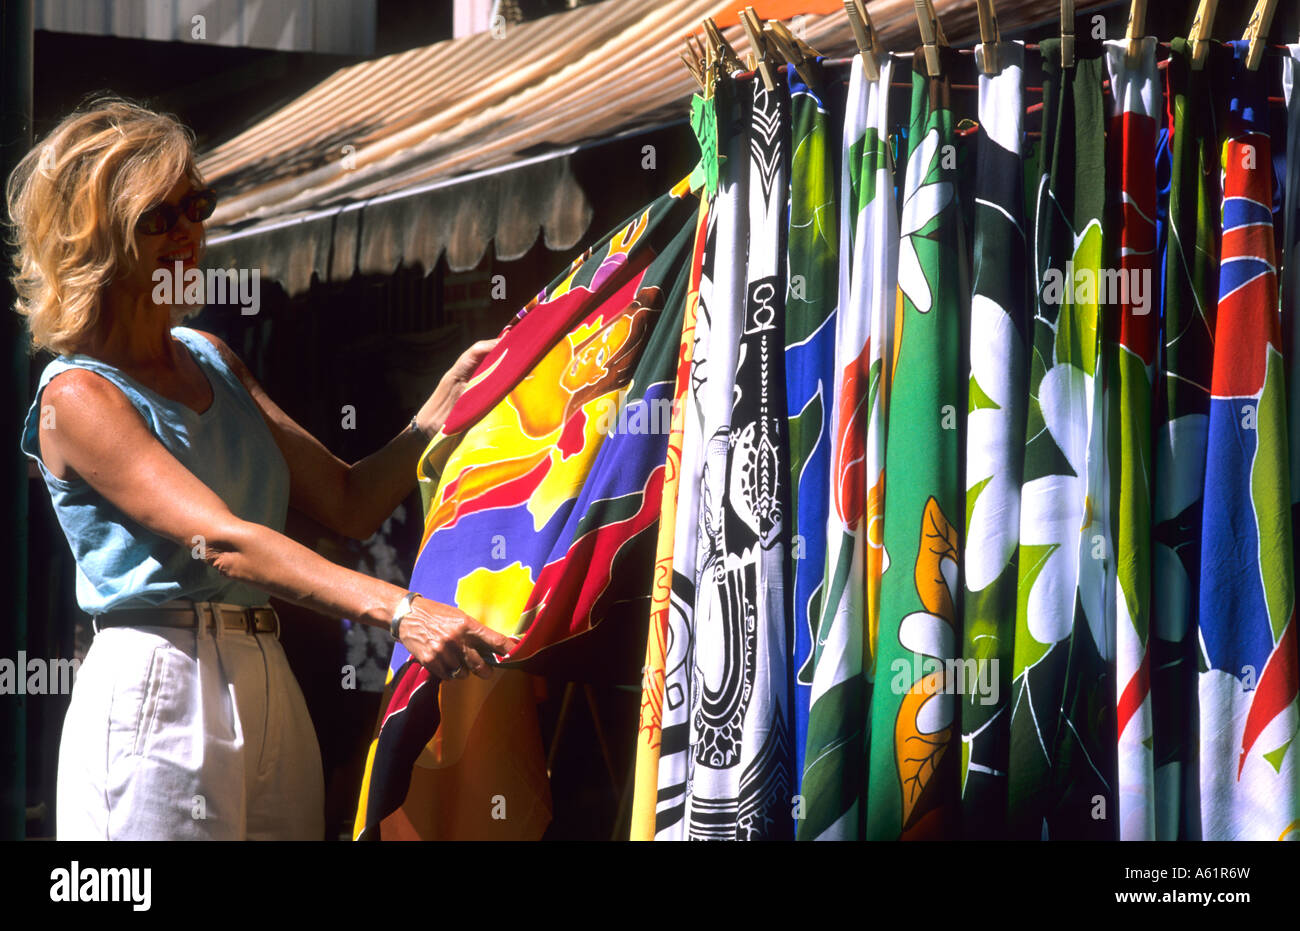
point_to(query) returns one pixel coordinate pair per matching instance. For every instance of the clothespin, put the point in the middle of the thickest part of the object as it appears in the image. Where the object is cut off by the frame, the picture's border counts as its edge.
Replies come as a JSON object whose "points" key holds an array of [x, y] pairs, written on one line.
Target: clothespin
{"points": [[711, 71], [990, 35], [1202, 27], [792, 50], [1137, 25], [700, 64], [1257, 32], [809, 52], [694, 61], [690, 66], [725, 54], [759, 43], [865, 35], [1067, 33], [931, 36]]}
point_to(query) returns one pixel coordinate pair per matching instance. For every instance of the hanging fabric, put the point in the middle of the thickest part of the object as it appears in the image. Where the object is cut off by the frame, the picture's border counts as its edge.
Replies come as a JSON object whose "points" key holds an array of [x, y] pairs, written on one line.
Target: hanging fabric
{"points": [[1248, 683], [541, 523], [650, 722], [835, 776], [810, 320], [1291, 280], [1130, 346], [999, 386], [915, 737], [704, 449], [1181, 416], [741, 718], [1062, 738], [1068, 614]]}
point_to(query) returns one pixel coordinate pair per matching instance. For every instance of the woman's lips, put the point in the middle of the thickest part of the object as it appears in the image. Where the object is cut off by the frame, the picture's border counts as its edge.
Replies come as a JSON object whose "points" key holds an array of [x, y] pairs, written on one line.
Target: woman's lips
{"points": [[185, 256]]}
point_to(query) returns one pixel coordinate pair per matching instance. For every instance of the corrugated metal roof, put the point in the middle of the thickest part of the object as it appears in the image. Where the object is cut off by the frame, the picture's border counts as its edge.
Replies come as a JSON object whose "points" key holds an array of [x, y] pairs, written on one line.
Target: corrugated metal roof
{"points": [[429, 114]]}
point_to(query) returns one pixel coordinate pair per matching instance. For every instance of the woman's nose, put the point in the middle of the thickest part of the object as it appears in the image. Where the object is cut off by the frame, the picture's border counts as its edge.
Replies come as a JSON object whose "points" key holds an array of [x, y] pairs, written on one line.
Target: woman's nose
{"points": [[185, 228]]}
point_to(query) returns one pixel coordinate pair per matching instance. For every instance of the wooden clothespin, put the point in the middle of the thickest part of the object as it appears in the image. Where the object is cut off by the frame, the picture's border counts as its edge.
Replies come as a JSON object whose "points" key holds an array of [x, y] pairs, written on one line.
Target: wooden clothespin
{"points": [[712, 73], [864, 33], [792, 50], [726, 56], [694, 60], [1137, 25], [1067, 33], [990, 36], [1257, 32], [809, 52], [690, 66], [759, 43], [1202, 27], [931, 36]]}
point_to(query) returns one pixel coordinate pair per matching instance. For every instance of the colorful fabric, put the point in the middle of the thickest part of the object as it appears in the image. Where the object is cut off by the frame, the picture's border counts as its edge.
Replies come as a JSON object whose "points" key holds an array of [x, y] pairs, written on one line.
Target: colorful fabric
{"points": [[810, 305], [1248, 682], [704, 448], [1291, 278], [1062, 721], [1000, 322], [834, 775], [1131, 330], [650, 724], [741, 760], [1082, 566], [914, 744], [549, 479], [1181, 415]]}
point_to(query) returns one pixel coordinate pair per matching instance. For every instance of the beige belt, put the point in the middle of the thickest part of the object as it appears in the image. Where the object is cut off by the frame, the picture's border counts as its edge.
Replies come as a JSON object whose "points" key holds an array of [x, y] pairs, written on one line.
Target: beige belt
{"points": [[190, 614]]}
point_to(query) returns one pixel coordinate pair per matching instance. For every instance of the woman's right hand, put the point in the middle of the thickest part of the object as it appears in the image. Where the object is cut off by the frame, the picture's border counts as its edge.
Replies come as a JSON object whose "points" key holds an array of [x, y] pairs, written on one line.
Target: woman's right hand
{"points": [[447, 641]]}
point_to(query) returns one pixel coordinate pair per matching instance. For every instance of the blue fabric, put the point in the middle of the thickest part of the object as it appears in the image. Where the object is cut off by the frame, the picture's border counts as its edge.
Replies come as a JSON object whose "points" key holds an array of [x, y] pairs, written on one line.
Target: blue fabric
{"points": [[228, 447]]}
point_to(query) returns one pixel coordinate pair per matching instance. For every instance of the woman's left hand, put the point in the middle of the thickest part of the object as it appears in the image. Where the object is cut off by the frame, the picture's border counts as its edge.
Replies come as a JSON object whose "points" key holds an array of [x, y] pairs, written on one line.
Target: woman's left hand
{"points": [[433, 414]]}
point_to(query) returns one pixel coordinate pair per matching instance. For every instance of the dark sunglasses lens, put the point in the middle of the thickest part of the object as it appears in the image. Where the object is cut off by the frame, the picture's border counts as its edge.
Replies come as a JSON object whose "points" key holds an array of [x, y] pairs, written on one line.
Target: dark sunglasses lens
{"points": [[158, 220], [200, 206]]}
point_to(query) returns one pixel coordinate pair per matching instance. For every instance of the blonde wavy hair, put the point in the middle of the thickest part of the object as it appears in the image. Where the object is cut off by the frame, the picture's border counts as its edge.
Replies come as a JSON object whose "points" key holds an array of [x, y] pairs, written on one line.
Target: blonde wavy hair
{"points": [[73, 204]]}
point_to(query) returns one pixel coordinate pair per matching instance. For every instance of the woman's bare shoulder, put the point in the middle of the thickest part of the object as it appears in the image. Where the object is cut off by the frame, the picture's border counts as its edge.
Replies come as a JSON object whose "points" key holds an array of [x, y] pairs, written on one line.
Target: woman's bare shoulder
{"points": [[85, 409]]}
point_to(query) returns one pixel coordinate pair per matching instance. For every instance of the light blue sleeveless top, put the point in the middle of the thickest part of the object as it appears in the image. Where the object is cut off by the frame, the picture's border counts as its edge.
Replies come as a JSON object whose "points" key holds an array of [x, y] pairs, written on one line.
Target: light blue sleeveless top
{"points": [[229, 447]]}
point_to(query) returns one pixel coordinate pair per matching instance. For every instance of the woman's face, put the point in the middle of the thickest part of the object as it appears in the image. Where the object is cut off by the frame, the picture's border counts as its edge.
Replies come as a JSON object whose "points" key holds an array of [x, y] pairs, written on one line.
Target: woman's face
{"points": [[162, 251]]}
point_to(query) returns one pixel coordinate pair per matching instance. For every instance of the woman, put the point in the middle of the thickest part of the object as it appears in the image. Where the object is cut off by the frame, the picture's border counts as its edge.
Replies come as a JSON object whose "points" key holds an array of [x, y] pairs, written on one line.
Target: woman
{"points": [[170, 471]]}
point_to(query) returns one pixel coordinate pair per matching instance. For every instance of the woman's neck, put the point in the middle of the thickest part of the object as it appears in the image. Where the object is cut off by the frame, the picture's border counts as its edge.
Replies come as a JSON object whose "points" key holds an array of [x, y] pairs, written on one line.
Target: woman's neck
{"points": [[133, 334]]}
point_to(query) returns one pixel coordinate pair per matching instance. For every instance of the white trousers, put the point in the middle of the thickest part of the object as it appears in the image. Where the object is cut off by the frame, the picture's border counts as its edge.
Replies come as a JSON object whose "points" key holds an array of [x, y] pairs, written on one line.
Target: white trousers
{"points": [[179, 734]]}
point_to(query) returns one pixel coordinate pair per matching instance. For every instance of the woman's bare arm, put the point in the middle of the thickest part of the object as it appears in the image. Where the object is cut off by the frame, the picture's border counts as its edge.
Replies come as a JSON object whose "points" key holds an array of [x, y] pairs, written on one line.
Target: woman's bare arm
{"points": [[356, 499], [100, 437]]}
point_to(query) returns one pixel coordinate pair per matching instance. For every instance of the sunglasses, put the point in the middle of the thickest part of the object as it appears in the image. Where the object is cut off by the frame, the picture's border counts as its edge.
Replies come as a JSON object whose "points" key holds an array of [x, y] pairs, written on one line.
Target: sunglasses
{"points": [[196, 205]]}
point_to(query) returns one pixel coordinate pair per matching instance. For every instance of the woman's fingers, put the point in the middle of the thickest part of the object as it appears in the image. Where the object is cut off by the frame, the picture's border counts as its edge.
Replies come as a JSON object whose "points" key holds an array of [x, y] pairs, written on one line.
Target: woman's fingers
{"points": [[455, 641], [433, 643], [471, 357], [444, 658], [489, 638], [475, 664], [481, 349], [433, 661]]}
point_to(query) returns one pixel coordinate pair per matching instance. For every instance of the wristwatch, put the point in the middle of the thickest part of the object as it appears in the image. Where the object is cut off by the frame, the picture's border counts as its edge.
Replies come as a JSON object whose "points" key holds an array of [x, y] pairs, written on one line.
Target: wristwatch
{"points": [[403, 608]]}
